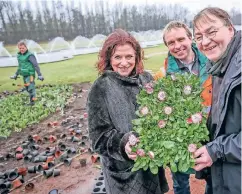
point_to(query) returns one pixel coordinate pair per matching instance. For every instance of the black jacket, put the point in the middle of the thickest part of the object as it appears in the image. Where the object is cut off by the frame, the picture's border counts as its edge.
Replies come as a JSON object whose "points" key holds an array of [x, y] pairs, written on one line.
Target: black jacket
{"points": [[111, 108], [225, 145]]}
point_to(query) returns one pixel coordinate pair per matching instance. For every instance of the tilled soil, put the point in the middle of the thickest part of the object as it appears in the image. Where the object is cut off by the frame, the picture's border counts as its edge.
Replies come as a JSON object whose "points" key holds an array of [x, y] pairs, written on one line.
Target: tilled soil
{"points": [[73, 179]]}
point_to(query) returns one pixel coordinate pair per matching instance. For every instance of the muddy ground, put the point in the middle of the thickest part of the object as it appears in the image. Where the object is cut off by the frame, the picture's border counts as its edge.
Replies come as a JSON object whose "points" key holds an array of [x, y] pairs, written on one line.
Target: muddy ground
{"points": [[73, 179]]}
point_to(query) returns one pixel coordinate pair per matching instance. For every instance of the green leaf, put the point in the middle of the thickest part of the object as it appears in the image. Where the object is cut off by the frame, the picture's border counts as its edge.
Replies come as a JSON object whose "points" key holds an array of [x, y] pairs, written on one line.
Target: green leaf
{"points": [[136, 121], [173, 167], [154, 169], [179, 139], [171, 118], [169, 144]]}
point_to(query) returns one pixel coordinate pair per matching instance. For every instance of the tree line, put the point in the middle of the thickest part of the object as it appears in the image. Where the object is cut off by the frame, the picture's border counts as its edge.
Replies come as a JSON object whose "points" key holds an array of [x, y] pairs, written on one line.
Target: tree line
{"points": [[50, 19]]}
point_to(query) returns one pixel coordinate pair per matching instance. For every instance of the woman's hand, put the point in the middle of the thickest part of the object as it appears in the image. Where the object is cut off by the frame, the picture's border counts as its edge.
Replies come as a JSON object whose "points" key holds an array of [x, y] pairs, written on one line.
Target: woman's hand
{"points": [[128, 150], [133, 140]]}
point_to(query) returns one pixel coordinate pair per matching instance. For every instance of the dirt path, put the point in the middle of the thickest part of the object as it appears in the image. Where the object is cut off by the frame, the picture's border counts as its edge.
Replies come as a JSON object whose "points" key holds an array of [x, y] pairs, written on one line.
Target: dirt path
{"points": [[73, 179]]}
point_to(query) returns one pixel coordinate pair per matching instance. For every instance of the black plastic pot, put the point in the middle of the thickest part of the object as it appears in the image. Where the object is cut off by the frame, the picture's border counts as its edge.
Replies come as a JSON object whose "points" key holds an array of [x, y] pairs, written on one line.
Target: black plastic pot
{"points": [[82, 143], [25, 152], [56, 172], [67, 161], [5, 191], [71, 150], [62, 147], [85, 137], [2, 176], [34, 147], [42, 153], [1, 158], [10, 155], [63, 156], [34, 153], [51, 164], [63, 135], [31, 169], [48, 173], [8, 185], [42, 158], [2, 181], [12, 175], [75, 139], [39, 168], [36, 159], [46, 138], [25, 145], [28, 158]]}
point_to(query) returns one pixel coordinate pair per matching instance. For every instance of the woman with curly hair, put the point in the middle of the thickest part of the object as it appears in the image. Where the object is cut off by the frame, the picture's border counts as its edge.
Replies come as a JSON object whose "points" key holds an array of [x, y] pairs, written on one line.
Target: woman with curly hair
{"points": [[111, 109]]}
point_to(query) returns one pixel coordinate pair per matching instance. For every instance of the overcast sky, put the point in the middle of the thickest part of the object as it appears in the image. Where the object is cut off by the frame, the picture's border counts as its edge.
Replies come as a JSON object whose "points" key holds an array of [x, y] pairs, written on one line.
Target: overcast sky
{"points": [[193, 5]]}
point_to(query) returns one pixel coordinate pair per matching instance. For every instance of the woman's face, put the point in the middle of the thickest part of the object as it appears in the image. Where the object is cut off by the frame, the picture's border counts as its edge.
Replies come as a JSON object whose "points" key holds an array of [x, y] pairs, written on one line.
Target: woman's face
{"points": [[212, 38], [22, 49], [123, 59]]}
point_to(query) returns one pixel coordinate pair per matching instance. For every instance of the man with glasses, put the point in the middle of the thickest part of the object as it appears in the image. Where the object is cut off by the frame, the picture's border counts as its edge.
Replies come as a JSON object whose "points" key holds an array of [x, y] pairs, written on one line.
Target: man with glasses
{"points": [[216, 38], [184, 57]]}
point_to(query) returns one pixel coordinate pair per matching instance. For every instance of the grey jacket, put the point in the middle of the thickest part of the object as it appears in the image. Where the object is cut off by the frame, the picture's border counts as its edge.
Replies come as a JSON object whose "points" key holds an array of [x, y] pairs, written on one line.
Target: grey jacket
{"points": [[225, 145], [111, 108]]}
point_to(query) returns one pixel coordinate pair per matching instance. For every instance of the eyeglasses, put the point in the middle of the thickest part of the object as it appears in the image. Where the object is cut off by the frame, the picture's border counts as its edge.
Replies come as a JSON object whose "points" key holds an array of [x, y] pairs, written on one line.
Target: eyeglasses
{"points": [[210, 35]]}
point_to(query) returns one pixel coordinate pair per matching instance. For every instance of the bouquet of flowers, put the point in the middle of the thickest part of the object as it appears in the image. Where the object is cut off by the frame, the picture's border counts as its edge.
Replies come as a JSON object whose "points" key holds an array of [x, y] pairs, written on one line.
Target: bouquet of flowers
{"points": [[170, 119]]}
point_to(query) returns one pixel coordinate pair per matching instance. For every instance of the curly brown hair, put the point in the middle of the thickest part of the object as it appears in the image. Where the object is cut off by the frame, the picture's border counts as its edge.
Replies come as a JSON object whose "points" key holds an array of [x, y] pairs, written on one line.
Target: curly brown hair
{"points": [[117, 38]]}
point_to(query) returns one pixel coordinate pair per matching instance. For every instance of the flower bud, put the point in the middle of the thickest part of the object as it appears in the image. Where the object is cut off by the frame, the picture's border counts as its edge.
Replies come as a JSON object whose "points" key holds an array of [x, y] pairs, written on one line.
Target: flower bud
{"points": [[161, 95], [162, 124], [149, 88], [151, 154], [133, 140], [144, 110], [140, 152], [168, 110], [173, 77], [187, 90], [189, 121], [196, 118]]}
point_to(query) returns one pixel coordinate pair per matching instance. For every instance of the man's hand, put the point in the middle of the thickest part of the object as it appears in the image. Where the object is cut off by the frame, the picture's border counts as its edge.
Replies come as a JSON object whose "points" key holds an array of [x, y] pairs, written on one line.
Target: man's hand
{"points": [[202, 159], [14, 76], [41, 78], [129, 152]]}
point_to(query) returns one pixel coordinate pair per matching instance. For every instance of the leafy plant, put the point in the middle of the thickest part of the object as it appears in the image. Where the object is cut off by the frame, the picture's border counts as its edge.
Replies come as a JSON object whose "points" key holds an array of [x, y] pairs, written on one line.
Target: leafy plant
{"points": [[15, 115], [170, 118]]}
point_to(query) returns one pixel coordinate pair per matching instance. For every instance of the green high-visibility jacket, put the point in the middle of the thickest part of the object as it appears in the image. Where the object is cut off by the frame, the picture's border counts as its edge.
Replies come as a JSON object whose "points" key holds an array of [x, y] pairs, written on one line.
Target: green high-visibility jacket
{"points": [[25, 68]]}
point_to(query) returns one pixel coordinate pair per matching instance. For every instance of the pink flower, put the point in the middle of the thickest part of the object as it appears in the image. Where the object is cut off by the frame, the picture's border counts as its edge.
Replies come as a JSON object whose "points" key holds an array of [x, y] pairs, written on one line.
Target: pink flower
{"points": [[162, 124], [149, 85], [149, 88], [161, 95], [85, 115], [196, 118], [168, 110], [173, 77], [144, 110], [133, 140], [187, 90], [151, 154], [189, 121], [140, 152], [192, 148]]}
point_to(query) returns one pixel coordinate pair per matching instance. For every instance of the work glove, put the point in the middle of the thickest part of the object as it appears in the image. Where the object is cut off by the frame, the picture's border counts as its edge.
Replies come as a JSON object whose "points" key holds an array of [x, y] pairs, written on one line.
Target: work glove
{"points": [[14, 76], [41, 78]]}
